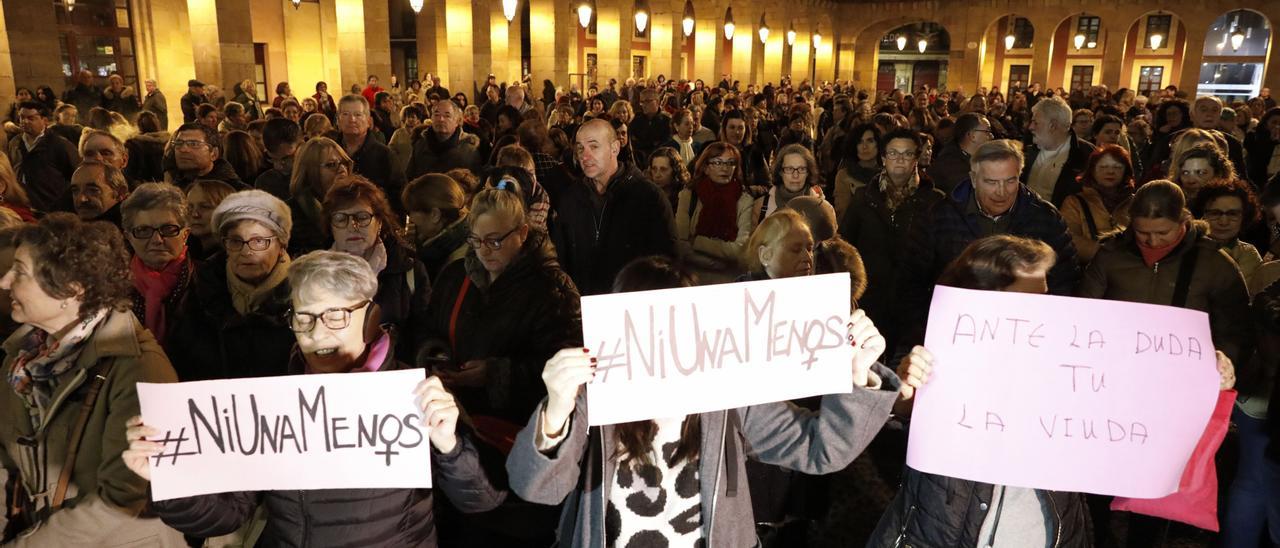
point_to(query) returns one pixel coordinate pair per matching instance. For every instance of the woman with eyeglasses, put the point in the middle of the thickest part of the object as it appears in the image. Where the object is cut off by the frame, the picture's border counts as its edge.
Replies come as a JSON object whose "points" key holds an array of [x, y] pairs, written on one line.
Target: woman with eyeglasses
{"points": [[1102, 204], [495, 318], [795, 174], [713, 218], [361, 223], [1231, 209], [335, 322], [155, 225], [232, 324], [318, 163]]}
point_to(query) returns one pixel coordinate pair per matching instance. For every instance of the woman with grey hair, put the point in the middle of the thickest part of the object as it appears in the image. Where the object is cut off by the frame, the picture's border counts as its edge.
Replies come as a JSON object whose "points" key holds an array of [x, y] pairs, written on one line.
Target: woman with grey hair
{"points": [[232, 323], [155, 225], [335, 321]]}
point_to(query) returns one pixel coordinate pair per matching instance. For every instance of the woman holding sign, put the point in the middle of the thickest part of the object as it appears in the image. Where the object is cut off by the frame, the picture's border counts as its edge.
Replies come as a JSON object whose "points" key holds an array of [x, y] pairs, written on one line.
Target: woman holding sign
{"points": [[71, 368], [934, 510], [337, 327], [681, 480]]}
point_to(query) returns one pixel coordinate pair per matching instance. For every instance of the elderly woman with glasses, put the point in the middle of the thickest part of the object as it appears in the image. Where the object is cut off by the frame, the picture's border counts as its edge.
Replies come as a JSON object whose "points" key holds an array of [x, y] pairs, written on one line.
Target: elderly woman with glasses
{"points": [[155, 225], [713, 218], [361, 223], [232, 324], [335, 321]]}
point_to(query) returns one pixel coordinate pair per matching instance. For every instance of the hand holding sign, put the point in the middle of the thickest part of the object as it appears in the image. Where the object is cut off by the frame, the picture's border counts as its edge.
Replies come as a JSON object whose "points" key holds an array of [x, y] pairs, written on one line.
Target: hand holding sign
{"points": [[914, 371], [439, 413], [137, 456], [868, 345], [564, 375]]}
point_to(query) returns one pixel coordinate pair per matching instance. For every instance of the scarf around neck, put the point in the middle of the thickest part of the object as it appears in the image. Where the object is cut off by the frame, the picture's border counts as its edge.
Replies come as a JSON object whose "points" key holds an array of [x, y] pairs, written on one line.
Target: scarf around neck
{"points": [[1153, 255], [245, 297], [719, 217], [155, 286], [42, 357], [376, 256]]}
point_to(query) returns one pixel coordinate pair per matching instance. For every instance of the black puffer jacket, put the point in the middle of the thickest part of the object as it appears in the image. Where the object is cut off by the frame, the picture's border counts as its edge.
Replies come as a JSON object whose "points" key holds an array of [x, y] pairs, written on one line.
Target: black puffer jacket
{"points": [[404, 290], [213, 341], [342, 517], [45, 170], [932, 511], [515, 324]]}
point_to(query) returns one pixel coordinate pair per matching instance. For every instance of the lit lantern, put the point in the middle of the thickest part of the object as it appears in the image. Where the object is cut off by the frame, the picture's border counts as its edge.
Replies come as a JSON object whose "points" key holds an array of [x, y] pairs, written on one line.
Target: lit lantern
{"points": [[764, 30], [687, 21], [791, 34], [584, 14], [902, 42], [817, 39], [416, 5], [728, 23], [923, 44], [1156, 40], [1079, 41], [642, 15], [509, 9]]}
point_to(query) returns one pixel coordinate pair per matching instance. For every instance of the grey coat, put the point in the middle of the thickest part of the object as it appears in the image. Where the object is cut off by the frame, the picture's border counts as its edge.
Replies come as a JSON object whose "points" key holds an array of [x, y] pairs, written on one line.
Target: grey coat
{"points": [[781, 434]]}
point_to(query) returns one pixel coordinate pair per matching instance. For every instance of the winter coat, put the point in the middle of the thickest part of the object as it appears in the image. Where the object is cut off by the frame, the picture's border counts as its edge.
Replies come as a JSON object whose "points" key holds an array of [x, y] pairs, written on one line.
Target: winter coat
{"points": [[1118, 273], [949, 168], [954, 223], [125, 102], [105, 501], [155, 102], [146, 157], [343, 517], [214, 341], [444, 248], [515, 324], [308, 233], [375, 162], [850, 178], [173, 302], [708, 255], [84, 97], [774, 433], [646, 133], [222, 171], [1085, 234], [933, 511], [45, 170], [633, 220], [404, 290], [190, 103], [432, 155], [1077, 159], [881, 237]]}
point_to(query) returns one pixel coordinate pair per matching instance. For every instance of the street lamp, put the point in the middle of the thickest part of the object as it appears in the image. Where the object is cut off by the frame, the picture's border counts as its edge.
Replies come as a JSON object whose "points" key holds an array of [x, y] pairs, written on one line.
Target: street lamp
{"points": [[416, 6], [728, 23], [791, 34], [1237, 35], [902, 42], [817, 39], [1079, 41], [687, 21], [922, 44], [1009, 39], [1156, 40], [642, 15], [509, 9], [764, 30], [584, 13]]}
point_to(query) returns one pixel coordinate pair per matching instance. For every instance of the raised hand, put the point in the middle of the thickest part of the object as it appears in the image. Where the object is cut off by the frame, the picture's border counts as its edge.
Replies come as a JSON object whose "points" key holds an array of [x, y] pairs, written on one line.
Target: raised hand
{"points": [[439, 413], [564, 375]]}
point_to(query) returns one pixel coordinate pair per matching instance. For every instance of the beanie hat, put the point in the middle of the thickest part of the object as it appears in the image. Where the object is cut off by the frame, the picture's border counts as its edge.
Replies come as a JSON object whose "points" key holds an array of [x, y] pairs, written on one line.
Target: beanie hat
{"points": [[819, 214], [254, 205]]}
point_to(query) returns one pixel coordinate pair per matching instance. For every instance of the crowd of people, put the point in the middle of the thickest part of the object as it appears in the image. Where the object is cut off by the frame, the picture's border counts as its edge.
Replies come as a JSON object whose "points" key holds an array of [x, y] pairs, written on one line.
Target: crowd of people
{"points": [[415, 227]]}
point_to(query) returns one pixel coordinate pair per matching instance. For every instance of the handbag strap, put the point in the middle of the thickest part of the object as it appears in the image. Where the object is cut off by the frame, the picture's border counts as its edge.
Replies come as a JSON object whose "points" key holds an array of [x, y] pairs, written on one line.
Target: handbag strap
{"points": [[453, 316], [1088, 216], [1183, 285], [77, 433]]}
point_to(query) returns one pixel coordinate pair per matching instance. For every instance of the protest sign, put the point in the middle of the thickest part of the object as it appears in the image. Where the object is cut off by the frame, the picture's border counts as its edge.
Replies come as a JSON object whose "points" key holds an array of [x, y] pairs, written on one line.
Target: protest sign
{"points": [[1063, 393], [674, 352], [349, 430]]}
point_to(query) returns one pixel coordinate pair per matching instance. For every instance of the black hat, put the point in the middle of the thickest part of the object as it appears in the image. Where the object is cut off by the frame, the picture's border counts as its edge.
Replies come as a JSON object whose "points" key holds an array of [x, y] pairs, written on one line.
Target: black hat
{"points": [[193, 83]]}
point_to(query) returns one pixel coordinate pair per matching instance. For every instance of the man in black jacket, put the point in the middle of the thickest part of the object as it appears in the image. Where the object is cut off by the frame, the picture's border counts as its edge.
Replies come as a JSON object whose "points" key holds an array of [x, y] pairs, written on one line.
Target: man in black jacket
{"points": [[1057, 157], [991, 202], [371, 158], [197, 154], [650, 128], [952, 166], [445, 146], [192, 100], [42, 160], [281, 137], [612, 217]]}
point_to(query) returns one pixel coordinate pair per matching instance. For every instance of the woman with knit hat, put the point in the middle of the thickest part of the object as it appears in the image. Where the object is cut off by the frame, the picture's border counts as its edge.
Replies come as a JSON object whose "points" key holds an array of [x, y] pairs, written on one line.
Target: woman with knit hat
{"points": [[233, 321]]}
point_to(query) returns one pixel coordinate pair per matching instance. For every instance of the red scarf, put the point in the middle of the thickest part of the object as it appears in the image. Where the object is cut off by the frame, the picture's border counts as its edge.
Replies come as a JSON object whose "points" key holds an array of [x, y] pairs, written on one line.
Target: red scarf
{"points": [[1153, 255], [719, 217], [154, 286]]}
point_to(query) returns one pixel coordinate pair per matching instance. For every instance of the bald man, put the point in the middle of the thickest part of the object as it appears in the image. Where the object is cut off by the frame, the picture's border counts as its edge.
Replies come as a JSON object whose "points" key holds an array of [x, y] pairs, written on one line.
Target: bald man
{"points": [[613, 216]]}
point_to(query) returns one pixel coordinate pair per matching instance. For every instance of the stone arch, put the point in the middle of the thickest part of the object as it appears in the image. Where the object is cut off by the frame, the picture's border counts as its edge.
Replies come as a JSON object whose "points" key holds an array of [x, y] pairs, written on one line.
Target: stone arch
{"points": [[1145, 68], [997, 62], [1230, 70], [1065, 55]]}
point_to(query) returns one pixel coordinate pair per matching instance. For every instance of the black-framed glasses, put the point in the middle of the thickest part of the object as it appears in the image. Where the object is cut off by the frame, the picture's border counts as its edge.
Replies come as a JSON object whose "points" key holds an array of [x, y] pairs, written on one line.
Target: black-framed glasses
{"points": [[177, 143], [903, 154], [790, 170], [234, 245], [493, 244], [145, 232], [332, 318], [722, 163], [341, 220], [1230, 214]]}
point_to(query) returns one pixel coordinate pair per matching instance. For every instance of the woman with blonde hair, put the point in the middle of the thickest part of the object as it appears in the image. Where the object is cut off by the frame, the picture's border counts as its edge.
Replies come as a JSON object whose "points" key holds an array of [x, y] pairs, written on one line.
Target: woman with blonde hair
{"points": [[318, 163], [12, 196], [1199, 165], [780, 247], [315, 125]]}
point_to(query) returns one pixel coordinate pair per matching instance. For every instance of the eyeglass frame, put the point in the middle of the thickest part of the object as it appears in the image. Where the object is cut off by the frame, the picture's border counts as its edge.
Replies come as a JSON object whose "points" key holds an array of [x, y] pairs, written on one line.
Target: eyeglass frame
{"points": [[349, 218], [345, 322], [493, 244], [244, 243], [1233, 214], [190, 143], [153, 230]]}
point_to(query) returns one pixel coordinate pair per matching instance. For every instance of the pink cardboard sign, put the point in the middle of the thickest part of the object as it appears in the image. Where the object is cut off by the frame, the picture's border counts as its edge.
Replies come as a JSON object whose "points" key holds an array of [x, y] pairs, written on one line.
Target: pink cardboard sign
{"points": [[336, 431], [1063, 393]]}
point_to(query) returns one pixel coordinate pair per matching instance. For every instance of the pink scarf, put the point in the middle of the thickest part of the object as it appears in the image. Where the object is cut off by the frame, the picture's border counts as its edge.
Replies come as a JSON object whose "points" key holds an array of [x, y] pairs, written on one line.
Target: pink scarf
{"points": [[155, 286]]}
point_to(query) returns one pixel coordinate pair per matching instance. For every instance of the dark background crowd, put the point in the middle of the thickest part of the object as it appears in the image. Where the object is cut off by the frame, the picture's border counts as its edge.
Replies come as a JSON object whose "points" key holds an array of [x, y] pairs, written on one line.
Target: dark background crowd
{"points": [[485, 215]]}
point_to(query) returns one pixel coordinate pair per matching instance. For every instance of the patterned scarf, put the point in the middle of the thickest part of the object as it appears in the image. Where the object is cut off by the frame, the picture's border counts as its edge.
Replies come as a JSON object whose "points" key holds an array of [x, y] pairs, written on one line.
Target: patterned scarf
{"points": [[42, 357], [895, 194]]}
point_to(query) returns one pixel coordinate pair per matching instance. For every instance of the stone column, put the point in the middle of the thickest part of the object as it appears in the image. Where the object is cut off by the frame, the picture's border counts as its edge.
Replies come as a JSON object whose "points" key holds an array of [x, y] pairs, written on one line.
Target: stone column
{"points": [[162, 43], [709, 42], [460, 46]]}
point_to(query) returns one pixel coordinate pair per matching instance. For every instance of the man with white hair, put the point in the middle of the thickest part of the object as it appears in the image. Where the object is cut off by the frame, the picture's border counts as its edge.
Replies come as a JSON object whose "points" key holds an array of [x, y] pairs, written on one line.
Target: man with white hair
{"points": [[1206, 113], [1057, 156], [445, 146]]}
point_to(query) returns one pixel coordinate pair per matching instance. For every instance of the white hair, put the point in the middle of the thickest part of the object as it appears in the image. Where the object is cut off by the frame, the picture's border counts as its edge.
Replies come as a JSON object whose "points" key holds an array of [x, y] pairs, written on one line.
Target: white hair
{"points": [[1056, 110], [335, 272]]}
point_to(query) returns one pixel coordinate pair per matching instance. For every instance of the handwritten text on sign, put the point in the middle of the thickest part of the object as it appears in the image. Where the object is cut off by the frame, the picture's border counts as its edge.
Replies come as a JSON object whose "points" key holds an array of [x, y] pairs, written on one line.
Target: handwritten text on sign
{"points": [[1063, 393], [352, 430], [691, 350]]}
